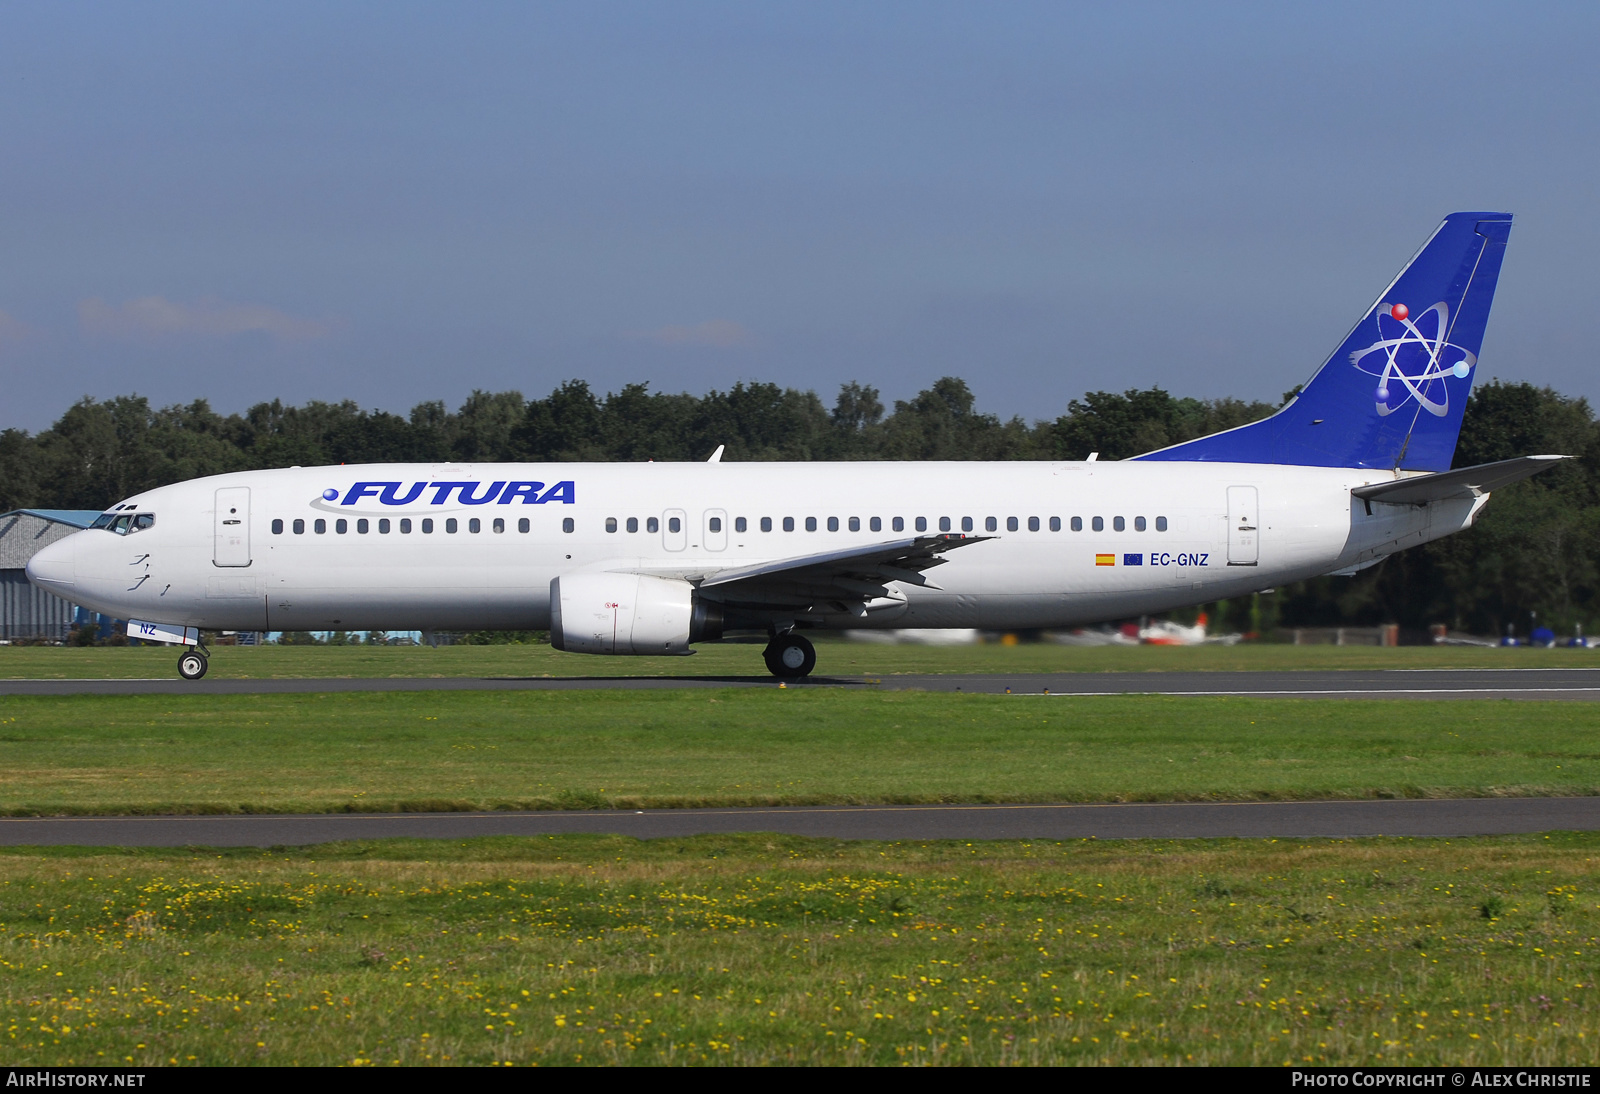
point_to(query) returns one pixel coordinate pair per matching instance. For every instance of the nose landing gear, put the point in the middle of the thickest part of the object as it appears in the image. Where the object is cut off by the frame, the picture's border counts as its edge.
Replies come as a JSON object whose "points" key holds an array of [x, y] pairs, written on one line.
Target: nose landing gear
{"points": [[193, 664], [790, 656]]}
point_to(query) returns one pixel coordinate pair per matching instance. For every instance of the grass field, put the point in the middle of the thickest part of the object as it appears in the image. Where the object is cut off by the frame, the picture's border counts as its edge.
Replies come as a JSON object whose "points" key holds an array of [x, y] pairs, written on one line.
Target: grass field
{"points": [[740, 659], [585, 749], [767, 949], [756, 949]]}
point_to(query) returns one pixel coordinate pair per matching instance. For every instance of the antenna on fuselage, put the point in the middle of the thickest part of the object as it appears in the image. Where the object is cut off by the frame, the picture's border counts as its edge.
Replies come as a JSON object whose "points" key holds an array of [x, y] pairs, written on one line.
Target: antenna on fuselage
{"points": [[716, 457]]}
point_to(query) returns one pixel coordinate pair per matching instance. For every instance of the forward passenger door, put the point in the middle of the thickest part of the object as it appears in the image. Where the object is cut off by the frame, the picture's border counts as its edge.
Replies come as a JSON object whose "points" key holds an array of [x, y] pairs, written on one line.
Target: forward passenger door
{"points": [[231, 538]]}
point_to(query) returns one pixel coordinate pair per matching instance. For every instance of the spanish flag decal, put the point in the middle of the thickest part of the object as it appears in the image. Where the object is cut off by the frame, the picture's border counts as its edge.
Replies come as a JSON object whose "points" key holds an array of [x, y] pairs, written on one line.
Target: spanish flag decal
{"points": [[1105, 560]]}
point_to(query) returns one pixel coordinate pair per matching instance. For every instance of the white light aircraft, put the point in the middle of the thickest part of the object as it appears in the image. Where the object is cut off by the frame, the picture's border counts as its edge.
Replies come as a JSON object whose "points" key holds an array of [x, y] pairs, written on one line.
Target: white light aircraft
{"points": [[652, 558]]}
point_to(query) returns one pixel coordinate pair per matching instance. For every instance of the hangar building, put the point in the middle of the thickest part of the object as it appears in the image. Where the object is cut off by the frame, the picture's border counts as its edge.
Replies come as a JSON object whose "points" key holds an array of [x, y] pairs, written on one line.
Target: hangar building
{"points": [[26, 611]]}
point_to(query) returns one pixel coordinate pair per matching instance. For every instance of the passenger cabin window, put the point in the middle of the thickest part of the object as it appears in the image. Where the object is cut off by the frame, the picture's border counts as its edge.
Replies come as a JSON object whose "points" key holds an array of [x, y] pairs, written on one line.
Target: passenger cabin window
{"points": [[833, 524], [740, 524], [523, 525], [1138, 524], [427, 526], [405, 526], [277, 527], [474, 525], [1098, 524], [1033, 524], [922, 524], [450, 526], [611, 524], [714, 524], [855, 524], [766, 524], [788, 524], [1055, 524], [944, 524], [384, 526], [673, 524], [1011, 524], [1077, 524], [320, 527], [875, 524], [811, 524], [1118, 524], [341, 526], [500, 525], [1161, 524], [299, 527], [990, 524], [633, 524], [567, 525], [651, 524], [898, 524], [363, 526]]}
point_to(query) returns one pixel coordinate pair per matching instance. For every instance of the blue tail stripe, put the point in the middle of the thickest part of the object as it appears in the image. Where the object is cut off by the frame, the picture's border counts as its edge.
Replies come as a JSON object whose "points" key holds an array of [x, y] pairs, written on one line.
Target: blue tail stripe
{"points": [[1393, 393]]}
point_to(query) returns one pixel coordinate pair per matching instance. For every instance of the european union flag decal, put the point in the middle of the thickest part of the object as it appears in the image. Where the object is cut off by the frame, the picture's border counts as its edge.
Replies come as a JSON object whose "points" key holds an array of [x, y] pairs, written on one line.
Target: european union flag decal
{"points": [[1133, 560]]}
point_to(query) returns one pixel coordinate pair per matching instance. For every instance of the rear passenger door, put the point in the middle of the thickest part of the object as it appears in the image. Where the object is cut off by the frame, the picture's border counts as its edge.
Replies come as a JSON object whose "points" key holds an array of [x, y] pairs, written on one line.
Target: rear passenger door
{"points": [[1244, 526]]}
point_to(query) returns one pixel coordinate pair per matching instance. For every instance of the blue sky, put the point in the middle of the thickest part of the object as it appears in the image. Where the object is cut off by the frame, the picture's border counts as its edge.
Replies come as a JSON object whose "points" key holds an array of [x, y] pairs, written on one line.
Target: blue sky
{"points": [[392, 203]]}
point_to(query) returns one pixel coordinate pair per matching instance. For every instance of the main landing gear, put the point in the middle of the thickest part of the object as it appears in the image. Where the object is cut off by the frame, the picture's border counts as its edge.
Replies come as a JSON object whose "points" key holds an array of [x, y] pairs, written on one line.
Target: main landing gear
{"points": [[790, 656], [192, 664]]}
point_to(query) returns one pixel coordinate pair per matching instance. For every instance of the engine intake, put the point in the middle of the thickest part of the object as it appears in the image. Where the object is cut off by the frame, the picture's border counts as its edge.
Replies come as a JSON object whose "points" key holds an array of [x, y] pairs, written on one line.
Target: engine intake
{"points": [[629, 614]]}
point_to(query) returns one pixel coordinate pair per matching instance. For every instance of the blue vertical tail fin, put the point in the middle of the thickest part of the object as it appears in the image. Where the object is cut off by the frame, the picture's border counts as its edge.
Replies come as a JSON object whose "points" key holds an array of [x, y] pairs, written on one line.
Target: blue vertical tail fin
{"points": [[1393, 393]]}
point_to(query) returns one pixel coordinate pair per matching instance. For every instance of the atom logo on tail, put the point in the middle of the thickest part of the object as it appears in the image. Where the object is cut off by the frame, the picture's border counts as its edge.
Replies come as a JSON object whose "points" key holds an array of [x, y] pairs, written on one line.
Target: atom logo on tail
{"points": [[1411, 364]]}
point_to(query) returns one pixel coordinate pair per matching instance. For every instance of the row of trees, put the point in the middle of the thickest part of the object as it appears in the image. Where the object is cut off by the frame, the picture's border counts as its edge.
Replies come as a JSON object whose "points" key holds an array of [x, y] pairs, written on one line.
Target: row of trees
{"points": [[1536, 550], [101, 451]]}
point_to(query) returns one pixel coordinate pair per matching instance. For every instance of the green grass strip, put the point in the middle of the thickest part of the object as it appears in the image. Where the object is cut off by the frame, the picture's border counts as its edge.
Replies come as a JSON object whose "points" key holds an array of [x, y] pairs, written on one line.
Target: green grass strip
{"points": [[499, 750]]}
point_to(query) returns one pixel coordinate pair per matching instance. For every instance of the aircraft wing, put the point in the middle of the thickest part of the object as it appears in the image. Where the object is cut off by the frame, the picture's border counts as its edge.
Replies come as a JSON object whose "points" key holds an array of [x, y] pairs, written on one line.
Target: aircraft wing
{"points": [[1467, 482], [846, 577]]}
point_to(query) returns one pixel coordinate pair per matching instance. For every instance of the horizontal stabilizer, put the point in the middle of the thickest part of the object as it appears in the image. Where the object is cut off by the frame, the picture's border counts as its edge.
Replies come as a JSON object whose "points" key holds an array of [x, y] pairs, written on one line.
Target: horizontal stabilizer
{"points": [[1468, 482]]}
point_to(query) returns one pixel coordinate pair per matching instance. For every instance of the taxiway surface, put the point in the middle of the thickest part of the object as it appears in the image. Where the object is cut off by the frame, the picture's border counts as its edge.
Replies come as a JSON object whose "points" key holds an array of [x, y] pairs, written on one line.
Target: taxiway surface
{"points": [[1338, 819], [1510, 683]]}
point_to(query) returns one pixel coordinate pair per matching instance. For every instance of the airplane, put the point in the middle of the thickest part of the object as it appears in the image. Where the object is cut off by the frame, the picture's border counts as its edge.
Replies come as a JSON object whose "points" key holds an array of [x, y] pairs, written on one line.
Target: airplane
{"points": [[654, 558]]}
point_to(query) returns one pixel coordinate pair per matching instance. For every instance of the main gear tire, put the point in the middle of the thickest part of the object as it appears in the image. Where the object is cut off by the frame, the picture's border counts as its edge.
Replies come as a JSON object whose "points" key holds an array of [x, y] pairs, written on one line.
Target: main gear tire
{"points": [[790, 656]]}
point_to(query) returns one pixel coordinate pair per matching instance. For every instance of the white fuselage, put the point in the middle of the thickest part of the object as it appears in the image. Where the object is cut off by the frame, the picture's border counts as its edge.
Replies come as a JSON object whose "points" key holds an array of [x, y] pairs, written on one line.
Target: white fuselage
{"points": [[1168, 535]]}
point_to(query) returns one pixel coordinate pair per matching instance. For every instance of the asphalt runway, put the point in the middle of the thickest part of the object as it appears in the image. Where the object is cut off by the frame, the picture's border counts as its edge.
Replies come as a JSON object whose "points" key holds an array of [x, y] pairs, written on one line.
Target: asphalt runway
{"points": [[1514, 683], [1254, 820]]}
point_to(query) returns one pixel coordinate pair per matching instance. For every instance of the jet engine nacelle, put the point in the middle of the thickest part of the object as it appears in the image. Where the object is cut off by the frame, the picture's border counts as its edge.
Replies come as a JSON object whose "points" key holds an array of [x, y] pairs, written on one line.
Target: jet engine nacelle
{"points": [[629, 614]]}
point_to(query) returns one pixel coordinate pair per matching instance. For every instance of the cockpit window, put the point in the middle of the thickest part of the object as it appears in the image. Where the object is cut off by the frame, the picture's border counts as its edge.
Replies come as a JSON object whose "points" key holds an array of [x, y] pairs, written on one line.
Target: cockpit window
{"points": [[126, 523]]}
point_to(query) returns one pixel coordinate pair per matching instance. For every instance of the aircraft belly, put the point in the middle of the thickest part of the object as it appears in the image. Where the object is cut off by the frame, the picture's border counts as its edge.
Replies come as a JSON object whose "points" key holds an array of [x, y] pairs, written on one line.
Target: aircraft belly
{"points": [[406, 598]]}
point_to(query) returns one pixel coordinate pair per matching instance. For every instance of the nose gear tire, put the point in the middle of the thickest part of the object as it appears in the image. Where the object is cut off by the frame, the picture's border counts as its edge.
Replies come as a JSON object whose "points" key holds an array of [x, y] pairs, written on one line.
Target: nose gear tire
{"points": [[192, 665], [790, 657]]}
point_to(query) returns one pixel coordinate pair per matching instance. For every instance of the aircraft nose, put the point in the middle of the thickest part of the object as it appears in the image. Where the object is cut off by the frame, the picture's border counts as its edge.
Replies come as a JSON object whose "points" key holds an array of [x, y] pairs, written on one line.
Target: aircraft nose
{"points": [[55, 567]]}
